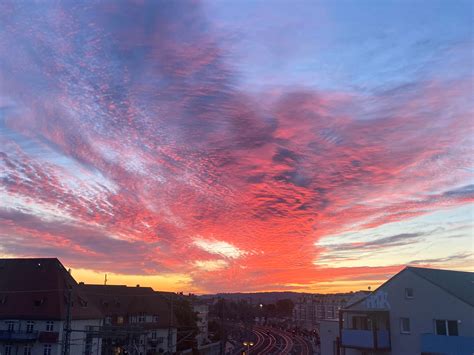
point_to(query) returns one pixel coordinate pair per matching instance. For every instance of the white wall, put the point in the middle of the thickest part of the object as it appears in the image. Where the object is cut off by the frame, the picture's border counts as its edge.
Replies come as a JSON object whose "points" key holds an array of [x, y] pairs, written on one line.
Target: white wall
{"points": [[78, 339], [429, 303], [162, 336], [328, 332]]}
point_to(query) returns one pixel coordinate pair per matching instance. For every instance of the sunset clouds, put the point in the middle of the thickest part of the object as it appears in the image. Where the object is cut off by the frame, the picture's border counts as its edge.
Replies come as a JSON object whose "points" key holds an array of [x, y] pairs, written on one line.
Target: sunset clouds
{"points": [[236, 148]]}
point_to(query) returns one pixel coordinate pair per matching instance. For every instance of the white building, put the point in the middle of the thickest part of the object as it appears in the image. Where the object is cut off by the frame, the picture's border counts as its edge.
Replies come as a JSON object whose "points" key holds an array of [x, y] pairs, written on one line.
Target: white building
{"points": [[34, 298], [329, 333], [310, 309], [418, 311], [202, 311]]}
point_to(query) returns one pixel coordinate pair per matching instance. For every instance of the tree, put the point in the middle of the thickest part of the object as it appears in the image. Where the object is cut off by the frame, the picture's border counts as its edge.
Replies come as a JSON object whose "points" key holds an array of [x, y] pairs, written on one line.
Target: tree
{"points": [[284, 308], [187, 322]]}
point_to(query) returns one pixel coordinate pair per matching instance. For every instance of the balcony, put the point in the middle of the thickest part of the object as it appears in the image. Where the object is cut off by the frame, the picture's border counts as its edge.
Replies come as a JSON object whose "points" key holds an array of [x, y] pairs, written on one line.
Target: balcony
{"points": [[365, 339], [48, 337], [16, 336], [449, 345]]}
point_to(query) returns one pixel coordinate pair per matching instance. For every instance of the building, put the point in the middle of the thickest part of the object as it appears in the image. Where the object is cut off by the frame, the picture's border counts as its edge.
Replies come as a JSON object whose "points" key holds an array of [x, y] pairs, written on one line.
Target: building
{"points": [[328, 334], [418, 311], [36, 296], [137, 320], [202, 312], [310, 309]]}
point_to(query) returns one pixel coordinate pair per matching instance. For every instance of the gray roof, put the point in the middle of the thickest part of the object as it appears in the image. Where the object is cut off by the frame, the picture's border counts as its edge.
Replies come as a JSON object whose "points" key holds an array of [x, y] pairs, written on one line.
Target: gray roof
{"points": [[458, 283]]}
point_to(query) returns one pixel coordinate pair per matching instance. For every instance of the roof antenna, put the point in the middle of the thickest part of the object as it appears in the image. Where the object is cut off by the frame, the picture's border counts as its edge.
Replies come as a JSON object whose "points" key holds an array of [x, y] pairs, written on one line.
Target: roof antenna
{"points": [[105, 280]]}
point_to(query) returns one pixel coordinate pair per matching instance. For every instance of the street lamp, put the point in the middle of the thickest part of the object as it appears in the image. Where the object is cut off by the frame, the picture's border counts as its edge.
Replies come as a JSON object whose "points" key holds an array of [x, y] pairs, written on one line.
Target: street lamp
{"points": [[248, 344]]}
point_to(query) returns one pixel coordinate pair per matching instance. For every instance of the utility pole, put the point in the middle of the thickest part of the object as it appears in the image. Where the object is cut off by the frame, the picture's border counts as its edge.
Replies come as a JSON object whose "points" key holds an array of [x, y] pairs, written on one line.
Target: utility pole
{"points": [[224, 332], [170, 334], [67, 324]]}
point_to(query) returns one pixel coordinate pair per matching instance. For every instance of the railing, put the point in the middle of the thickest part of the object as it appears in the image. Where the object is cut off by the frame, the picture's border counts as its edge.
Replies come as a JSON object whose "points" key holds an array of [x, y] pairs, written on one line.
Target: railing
{"points": [[18, 336], [451, 345], [364, 339], [48, 337]]}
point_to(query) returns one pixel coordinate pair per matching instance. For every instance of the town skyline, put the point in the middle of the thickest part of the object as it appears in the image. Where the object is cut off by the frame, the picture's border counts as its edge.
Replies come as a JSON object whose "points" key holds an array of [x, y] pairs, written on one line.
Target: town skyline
{"points": [[213, 147]]}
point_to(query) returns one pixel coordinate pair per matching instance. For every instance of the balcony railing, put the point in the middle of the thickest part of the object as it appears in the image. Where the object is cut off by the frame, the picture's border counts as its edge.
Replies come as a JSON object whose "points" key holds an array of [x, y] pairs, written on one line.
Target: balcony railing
{"points": [[450, 345], [18, 336], [364, 339], [48, 337]]}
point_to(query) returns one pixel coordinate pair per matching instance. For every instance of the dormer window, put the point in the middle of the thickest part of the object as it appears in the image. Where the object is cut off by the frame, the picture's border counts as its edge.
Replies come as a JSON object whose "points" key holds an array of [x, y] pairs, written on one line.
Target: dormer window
{"points": [[82, 302], [39, 302], [409, 293]]}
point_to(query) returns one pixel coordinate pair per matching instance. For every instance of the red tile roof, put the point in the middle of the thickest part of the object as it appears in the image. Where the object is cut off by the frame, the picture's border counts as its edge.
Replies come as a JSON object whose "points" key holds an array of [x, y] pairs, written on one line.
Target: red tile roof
{"points": [[38, 289], [120, 300]]}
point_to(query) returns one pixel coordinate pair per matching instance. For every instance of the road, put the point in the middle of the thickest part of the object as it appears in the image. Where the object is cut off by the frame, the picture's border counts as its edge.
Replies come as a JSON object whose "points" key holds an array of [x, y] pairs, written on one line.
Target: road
{"points": [[270, 341]]}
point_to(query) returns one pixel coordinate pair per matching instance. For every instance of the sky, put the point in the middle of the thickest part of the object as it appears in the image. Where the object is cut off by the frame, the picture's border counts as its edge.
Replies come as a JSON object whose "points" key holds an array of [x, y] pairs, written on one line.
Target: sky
{"points": [[220, 146]]}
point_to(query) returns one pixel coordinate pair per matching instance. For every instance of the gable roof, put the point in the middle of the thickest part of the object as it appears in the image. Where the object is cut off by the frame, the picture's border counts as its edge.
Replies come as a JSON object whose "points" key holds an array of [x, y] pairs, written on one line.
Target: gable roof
{"points": [[121, 300], [458, 283], [38, 289]]}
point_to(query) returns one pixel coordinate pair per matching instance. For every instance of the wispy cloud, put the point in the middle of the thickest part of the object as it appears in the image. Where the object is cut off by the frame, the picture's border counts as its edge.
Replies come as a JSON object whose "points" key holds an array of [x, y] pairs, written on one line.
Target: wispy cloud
{"points": [[138, 131], [210, 265], [219, 247]]}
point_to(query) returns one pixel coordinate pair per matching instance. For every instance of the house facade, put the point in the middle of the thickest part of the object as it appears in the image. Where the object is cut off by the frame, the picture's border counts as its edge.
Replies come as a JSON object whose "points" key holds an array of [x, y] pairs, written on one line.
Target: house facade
{"points": [[418, 311], [137, 320], [310, 309], [36, 296]]}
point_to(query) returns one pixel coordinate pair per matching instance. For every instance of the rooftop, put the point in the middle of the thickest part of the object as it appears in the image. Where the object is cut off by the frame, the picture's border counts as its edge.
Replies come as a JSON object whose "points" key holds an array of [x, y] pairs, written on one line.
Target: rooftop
{"points": [[39, 289]]}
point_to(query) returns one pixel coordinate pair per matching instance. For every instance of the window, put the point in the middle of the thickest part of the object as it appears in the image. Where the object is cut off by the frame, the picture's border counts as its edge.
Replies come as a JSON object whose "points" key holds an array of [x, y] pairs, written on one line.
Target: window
{"points": [[27, 350], [49, 326], [452, 328], [153, 335], [88, 347], [10, 325], [30, 326], [409, 293], [360, 322], [8, 349], [405, 325], [39, 302], [446, 327], [141, 318], [47, 349], [119, 320]]}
